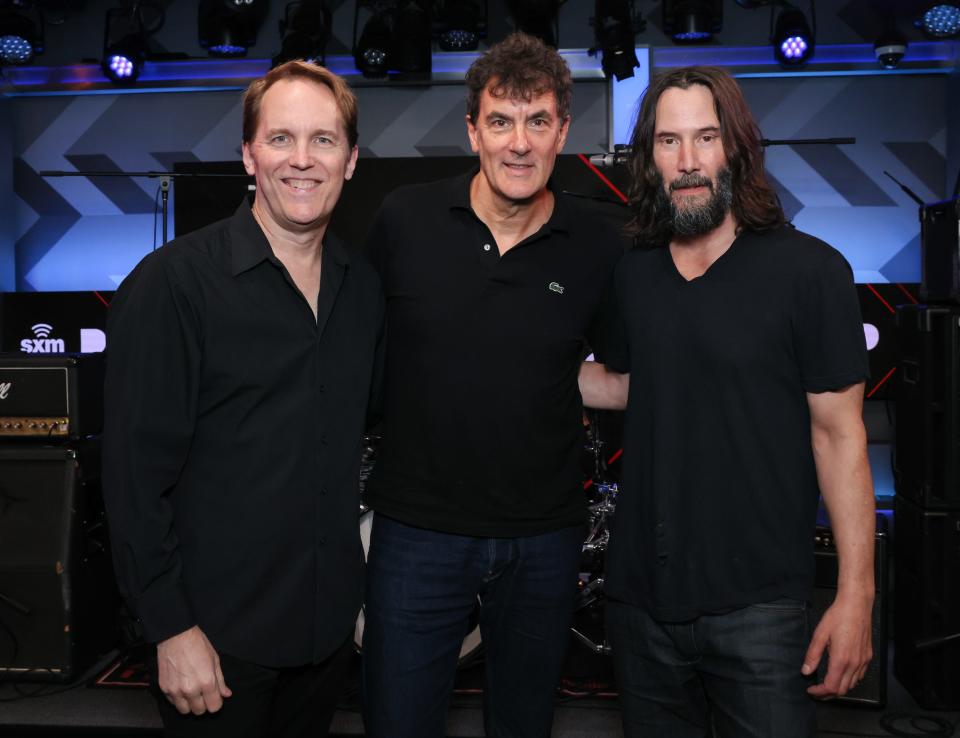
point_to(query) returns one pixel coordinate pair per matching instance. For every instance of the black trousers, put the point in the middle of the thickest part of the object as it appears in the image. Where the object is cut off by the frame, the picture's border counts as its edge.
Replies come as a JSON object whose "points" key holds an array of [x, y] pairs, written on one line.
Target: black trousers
{"points": [[266, 703]]}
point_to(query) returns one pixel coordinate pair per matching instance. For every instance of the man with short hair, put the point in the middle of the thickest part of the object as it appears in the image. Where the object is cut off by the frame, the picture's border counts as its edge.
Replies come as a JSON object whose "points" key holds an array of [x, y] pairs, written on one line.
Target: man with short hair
{"points": [[241, 361], [742, 348], [493, 284]]}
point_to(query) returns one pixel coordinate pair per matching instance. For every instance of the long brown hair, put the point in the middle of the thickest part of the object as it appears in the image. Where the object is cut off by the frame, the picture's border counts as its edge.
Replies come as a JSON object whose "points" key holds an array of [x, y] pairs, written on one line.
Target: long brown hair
{"points": [[755, 205]]}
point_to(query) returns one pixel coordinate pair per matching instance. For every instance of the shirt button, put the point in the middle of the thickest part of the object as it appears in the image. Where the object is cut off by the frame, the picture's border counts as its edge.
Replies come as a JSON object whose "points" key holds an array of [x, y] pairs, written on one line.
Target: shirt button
{"points": [[322, 540], [486, 247]]}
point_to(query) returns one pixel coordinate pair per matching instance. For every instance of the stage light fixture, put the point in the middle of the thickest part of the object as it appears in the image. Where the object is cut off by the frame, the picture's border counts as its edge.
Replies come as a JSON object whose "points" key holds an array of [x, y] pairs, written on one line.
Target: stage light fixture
{"points": [[941, 20], [793, 39], [692, 21], [21, 36], [228, 28], [462, 23], [412, 38], [616, 27], [124, 45], [537, 18], [372, 52], [304, 32]]}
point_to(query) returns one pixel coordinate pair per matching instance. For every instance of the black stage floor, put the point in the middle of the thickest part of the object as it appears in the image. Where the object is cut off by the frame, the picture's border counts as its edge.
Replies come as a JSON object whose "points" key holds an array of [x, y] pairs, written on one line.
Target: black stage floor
{"points": [[586, 708]]}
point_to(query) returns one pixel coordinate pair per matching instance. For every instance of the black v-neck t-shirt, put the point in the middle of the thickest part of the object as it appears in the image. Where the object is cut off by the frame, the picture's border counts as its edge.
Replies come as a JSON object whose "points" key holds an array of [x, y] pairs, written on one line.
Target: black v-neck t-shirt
{"points": [[719, 492]]}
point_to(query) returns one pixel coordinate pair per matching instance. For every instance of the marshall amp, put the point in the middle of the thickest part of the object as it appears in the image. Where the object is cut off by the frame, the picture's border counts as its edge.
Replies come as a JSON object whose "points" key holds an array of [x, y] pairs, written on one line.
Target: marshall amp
{"points": [[53, 397]]}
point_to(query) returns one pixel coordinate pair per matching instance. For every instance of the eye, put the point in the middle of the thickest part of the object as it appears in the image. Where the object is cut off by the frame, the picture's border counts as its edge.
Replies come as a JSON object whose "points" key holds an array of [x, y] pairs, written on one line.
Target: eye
{"points": [[279, 138], [539, 123], [323, 140], [498, 123]]}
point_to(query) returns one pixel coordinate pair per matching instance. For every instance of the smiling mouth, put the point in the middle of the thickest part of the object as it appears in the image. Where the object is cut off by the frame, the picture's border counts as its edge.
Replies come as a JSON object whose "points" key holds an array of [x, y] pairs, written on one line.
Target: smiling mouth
{"points": [[515, 167], [302, 185]]}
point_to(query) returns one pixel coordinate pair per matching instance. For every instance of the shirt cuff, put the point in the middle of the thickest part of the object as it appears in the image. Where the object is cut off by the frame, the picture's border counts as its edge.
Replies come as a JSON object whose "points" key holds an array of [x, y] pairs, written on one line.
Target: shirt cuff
{"points": [[163, 612]]}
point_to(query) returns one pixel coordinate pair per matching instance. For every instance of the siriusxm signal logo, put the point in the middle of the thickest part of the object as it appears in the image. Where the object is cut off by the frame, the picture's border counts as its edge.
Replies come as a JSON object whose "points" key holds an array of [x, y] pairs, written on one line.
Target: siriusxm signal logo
{"points": [[41, 343]]}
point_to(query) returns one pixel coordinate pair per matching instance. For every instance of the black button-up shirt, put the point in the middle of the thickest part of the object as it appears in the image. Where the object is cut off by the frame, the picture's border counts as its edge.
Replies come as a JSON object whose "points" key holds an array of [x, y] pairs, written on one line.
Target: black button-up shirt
{"points": [[232, 442], [482, 419]]}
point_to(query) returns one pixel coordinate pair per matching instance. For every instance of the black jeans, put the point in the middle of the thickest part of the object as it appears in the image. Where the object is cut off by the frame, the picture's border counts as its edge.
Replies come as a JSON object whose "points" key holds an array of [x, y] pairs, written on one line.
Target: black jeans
{"points": [[737, 673], [279, 703]]}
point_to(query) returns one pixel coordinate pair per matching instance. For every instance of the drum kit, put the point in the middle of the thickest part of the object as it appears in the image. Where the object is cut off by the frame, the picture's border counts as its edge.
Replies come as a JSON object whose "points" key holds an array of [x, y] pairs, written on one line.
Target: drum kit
{"points": [[601, 493]]}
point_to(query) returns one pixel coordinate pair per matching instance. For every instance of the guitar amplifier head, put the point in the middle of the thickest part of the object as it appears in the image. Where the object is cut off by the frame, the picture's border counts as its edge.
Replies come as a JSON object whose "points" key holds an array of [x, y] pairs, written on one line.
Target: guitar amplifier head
{"points": [[51, 397]]}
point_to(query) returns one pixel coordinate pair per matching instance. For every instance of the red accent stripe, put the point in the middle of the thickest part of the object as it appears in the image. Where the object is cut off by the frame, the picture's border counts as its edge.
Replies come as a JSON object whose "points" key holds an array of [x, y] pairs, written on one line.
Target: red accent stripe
{"points": [[602, 177], [101, 298], [879, 384], [905, 291], [588, 484], [877, 294], [615, 456]]}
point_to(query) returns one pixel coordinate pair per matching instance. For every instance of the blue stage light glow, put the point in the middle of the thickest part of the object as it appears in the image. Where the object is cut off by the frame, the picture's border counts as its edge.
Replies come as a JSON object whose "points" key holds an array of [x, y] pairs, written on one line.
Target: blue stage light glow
{"points": [[942, 21], [15, 49], [458, 40], [228, 50], [692, 36], [121, 66], [795, 47]]}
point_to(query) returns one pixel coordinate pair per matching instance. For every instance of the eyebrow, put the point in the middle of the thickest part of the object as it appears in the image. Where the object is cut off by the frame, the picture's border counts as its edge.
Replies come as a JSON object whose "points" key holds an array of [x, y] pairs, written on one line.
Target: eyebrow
{"points": [[317, 132], [542, 113], [705, 129]]}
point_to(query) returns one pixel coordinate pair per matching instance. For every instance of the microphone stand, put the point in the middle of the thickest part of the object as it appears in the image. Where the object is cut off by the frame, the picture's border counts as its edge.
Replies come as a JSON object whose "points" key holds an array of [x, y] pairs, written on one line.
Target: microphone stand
{"points": [[164, 177]]}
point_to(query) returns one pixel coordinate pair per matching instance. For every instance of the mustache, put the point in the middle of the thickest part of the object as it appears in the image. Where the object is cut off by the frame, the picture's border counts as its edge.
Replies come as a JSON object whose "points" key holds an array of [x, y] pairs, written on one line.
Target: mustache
{"points": [[691, 180]]}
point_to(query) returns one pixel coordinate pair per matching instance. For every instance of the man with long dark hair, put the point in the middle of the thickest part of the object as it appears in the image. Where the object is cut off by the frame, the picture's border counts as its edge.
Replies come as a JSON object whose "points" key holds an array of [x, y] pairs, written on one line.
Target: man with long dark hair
{"points": [[741, 367]]}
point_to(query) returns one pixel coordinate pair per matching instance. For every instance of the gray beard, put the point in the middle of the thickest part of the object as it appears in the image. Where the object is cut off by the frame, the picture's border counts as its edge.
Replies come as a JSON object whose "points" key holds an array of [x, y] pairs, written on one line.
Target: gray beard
{"points": [[699, 218]]}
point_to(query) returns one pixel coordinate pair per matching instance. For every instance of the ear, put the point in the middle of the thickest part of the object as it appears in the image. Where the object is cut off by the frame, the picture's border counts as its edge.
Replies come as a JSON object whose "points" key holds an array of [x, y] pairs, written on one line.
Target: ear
{"points": [[352, 163], [564, 130], [472, 135], [248, 160]]}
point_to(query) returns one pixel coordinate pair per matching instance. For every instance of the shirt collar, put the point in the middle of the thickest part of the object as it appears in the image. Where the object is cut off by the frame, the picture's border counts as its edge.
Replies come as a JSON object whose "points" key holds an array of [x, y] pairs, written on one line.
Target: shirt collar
{"points": [[249, 245], [459, 199]]}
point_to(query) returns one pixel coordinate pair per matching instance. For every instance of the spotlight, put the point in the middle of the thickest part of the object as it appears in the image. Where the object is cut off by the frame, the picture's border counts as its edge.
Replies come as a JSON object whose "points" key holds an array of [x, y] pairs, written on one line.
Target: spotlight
{"points": [[304, 31], [372, 52], [462, 23], [793, 41], [889, 48], [229, 27], [941, 21], [20, 35], [616, 30], [412, 31], [124, 45], [692, 21], [536, 17]]}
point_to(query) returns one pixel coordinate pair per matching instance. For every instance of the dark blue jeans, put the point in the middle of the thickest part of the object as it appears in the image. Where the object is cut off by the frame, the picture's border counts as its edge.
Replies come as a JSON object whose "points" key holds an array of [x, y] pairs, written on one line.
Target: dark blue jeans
{"points": [[737, 673], [422, 587]]}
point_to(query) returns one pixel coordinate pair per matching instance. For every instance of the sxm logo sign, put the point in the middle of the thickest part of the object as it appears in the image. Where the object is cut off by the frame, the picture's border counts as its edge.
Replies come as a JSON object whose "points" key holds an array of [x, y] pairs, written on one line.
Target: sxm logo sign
{"points": [[41, 343]]}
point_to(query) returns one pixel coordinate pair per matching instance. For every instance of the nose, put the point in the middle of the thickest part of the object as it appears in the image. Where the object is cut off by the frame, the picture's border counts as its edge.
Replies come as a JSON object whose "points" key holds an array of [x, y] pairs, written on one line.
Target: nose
{"points": [[688, 160], [300, 155], [520, 143]]}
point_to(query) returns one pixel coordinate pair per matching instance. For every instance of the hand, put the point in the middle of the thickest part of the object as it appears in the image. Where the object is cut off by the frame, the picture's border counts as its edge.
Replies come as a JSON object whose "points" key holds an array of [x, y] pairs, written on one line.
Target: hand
{"points": [[845, 631], [189, 673]]}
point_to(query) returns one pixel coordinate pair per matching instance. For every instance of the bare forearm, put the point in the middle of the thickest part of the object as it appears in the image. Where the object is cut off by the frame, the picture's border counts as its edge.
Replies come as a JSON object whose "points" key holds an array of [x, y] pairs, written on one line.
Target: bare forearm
{"points": [[847, 488], [602, 388]]}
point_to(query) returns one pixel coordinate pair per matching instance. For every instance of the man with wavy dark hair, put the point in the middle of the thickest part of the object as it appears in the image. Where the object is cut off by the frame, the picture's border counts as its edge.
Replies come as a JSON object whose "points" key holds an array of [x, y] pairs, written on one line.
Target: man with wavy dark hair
{"points": [[493, 282], [742, 343]]}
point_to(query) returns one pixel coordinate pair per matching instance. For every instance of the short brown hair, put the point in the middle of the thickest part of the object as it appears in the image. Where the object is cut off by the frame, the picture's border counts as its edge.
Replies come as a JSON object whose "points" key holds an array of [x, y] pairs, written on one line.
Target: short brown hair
{"points": [[520, 66], [755, 205], [346, 100]]}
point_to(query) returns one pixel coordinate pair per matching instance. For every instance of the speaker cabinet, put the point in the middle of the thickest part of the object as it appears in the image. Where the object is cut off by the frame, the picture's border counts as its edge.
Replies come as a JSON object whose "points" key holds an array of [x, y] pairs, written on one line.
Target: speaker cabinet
{"points": [[940, 250], [927, 607], [927, 450], [873, 689], [58, 600]]}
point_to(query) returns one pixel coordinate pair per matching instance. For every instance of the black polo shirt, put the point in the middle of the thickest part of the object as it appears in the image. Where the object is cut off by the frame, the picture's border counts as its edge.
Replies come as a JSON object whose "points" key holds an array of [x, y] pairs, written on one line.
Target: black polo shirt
{"points": [[719, 493], [482, 414], [232, 442]]}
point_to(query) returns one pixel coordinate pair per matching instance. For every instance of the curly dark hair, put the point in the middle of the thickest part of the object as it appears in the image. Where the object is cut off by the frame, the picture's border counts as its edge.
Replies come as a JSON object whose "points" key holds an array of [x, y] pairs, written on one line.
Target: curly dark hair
{"points": [[755, 205], [520, 66]]}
